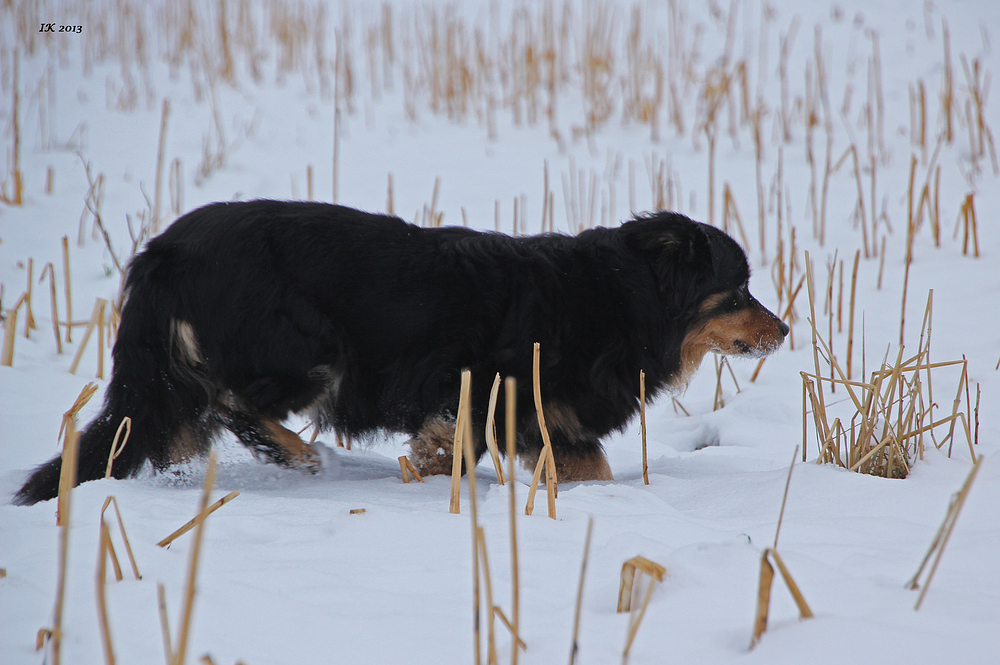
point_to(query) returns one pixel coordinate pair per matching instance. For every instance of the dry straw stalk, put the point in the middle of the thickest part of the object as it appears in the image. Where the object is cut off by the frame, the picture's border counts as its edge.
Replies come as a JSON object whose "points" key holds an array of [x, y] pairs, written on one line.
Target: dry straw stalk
{"points": [[491, 644], [18, 179], [491, 430], [510, 422], [943, 534], [764, 594], [892, 410], [180, 652], [967, 222], [465, 416], [161, 598], [458, 445], [406, 468], [116, 449], [67, 479], [10, 333], [102, 603], [546, 458], [158, 188], [128, 547], [67, 280], [198, 519], [67, 473], [763, 599], [96, 321], [850, 321], [29, 315], [784, 498], [631, 571], [336, 153], [642, 422], [575, 645], [107, 549], [886, 432], [51, 272]]}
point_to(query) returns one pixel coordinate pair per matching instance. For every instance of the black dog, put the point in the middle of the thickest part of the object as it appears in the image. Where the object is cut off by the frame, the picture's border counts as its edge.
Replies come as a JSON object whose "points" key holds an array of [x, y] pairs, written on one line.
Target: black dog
{"points": [[242, 313]]}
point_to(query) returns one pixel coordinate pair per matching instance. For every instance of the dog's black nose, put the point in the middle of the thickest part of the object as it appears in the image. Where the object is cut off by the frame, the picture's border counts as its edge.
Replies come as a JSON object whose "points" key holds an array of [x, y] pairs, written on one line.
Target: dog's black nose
{"points": [[783, 327]]}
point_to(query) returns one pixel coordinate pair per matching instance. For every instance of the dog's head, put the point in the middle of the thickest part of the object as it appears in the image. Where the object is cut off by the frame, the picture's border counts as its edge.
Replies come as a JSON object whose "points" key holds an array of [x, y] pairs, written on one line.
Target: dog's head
{"points": [[703, 275]]}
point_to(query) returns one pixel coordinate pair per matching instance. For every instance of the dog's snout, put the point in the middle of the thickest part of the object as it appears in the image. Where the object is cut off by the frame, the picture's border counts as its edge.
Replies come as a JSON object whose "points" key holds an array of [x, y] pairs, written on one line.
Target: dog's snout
{"points": [[782, 326]]}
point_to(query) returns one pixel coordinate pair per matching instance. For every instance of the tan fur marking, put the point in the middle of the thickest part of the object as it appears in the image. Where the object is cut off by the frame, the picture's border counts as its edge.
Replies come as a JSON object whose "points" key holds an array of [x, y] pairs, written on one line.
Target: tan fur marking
{"points": [[712, 302], [590, 467], [300, 454], [187, 446], [564, 419], [228, 401], [751, 331], [576, 468], [693, 349], [186, 342], [431, 450]]}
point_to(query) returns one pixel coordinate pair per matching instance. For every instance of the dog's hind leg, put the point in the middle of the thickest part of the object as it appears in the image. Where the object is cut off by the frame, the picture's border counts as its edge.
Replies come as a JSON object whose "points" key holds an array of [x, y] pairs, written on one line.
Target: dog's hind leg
{"points": [[267, 438], [591, 465], [572, 466], [577, 451], [294, 450]]}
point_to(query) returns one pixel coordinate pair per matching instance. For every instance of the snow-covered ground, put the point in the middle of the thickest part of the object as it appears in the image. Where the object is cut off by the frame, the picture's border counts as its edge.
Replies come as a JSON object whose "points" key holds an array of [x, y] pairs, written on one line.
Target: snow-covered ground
{"points": [[287, 573]]}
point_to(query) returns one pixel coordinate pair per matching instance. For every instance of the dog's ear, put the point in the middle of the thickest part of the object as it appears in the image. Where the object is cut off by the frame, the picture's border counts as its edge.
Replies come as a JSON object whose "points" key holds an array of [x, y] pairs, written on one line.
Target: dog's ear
{"points": [[677, 250]]}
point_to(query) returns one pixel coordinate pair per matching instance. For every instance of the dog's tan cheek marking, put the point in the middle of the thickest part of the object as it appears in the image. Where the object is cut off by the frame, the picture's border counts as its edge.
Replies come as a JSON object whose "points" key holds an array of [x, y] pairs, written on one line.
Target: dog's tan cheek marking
{"points": [[710, 335], [723, 331], [712, 302], [300, 454], [753, 326], [695, 345]]}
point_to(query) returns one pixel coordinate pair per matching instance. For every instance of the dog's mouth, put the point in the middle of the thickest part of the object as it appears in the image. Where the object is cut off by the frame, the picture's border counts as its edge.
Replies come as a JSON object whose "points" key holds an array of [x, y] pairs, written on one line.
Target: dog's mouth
{"points": [[766, 346], [743, 348]]}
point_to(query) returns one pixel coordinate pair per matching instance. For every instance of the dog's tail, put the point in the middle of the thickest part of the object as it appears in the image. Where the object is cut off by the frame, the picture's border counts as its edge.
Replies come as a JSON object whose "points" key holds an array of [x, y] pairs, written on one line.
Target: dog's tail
{"points": [[154, 382]]}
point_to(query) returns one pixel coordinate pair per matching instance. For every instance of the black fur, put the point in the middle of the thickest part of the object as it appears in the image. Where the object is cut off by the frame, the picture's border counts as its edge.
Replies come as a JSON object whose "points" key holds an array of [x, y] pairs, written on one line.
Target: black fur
{"points": [[369, 321]]}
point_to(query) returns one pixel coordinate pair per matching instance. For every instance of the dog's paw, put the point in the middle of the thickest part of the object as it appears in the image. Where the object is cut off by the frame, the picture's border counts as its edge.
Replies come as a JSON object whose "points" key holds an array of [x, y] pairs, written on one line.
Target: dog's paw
{"points": [[309, 460]]}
